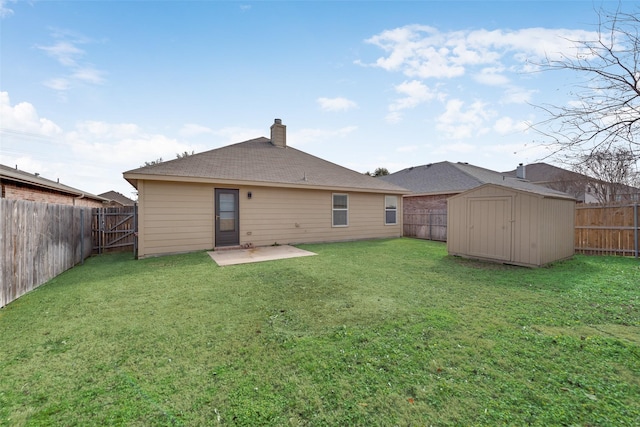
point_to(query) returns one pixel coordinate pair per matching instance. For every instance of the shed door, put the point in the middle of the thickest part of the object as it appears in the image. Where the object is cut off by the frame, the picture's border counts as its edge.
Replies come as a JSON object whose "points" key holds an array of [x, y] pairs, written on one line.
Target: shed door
{"points": [[489, 220], [227, 217]]}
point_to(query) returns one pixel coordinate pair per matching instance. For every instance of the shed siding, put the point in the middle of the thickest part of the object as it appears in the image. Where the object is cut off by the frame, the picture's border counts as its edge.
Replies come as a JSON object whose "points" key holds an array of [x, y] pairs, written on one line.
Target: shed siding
{"points": [[557, 230], [527, 238], [178, 217], [456, 226], [540, 230]]}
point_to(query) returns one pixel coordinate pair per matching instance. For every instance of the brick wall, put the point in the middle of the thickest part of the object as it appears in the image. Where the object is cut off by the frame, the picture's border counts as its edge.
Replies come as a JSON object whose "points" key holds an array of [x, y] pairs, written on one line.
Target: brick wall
{"points": [[421, 203], [34, 194]]}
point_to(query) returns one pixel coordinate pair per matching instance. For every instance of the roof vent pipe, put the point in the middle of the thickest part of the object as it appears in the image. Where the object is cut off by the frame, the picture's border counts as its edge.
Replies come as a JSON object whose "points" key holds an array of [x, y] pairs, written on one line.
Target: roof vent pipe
{"points": [[278, 134], [520, 171]]}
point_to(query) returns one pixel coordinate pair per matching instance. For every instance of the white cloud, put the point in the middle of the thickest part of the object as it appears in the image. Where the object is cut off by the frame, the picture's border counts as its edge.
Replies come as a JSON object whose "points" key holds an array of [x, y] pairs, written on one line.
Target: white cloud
{"points": [[66, 52], [124, 145], [492, 76], [517, 95], [393, 117], [415, 93], [59, 84], [88, 75], [92, 155], [506, 125], [23, 118], [459, 123], [425, 52], [336, 104], [4, 10]]}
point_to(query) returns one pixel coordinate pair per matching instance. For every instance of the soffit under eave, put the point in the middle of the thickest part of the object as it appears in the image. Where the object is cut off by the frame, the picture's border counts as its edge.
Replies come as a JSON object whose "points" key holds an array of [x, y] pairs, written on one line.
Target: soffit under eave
{"points": [[228, 182]]}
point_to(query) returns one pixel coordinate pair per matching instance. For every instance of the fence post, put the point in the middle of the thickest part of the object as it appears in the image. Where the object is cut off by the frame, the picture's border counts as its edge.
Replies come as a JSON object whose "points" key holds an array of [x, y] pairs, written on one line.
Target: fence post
{"points": [[81, 234], [635, 226]]}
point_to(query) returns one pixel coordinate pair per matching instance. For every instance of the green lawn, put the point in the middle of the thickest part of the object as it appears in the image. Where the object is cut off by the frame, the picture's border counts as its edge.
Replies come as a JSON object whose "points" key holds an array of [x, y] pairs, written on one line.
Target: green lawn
{"points": [[376, 333]]}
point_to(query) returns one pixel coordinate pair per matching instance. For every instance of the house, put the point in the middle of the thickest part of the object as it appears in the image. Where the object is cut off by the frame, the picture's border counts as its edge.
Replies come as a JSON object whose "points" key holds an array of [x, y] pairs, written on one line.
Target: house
{"points": [[259, 192], [584, 188], [117, 199], [433, 183], [425, 209], [20, 185], [522, 225]]}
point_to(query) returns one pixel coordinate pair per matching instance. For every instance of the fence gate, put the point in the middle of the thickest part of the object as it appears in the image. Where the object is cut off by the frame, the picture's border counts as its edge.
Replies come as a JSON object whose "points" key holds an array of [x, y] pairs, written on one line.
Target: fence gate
{"points": [[115, 229]]}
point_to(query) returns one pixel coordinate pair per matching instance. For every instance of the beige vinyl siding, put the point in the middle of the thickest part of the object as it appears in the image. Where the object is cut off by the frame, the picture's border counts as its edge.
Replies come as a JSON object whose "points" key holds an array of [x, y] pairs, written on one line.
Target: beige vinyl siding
{"points": [[289, 216], [175, 217], [179, 217], [503, 224]]}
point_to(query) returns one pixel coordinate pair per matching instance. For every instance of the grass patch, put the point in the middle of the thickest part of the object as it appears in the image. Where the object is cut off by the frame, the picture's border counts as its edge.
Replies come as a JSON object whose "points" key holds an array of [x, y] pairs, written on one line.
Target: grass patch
{"points": [[387, 332]]}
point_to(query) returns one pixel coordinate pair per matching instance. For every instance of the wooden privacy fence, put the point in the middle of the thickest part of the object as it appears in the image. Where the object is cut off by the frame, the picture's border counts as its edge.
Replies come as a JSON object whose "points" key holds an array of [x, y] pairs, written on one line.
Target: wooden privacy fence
{"points": [[599, 230], [429, 224], [38, 241], [608, 230], [114, 229]]}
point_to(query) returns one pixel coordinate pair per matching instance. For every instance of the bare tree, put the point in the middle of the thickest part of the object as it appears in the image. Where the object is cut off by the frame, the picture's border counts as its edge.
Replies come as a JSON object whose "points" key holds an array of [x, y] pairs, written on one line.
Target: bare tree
{"points": [[185, 154], [606, 110], [613, 174], [573, 183]]}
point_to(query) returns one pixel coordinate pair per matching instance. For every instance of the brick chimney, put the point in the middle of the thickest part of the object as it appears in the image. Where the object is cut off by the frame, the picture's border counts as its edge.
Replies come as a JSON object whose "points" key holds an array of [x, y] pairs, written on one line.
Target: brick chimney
{"points": [[278, 134], [520, 171]]}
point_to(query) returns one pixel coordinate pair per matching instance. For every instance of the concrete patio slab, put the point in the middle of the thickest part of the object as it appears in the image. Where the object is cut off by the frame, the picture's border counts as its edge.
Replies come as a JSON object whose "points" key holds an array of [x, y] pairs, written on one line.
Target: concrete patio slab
{"points": [[266, 253]]}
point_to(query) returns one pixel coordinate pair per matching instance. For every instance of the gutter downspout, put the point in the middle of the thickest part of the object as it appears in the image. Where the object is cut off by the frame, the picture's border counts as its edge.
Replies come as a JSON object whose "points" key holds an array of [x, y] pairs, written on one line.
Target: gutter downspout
{"points": [[82, 196]]}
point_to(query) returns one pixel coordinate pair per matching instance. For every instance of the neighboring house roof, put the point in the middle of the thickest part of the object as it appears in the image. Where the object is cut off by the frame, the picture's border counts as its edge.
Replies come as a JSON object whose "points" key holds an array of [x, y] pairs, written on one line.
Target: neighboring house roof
{"points": [[119, 198], [544, 173], [259, 162], [448, 178], [13, 174], [563, 179]]}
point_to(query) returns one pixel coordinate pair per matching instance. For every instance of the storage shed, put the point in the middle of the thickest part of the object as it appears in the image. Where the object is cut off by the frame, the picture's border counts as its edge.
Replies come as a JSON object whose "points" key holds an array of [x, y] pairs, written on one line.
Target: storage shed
{"points": [[529, 226]]}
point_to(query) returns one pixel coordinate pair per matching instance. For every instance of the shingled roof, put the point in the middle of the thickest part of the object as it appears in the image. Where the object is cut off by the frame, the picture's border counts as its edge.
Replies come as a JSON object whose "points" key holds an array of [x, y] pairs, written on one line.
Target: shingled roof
{"points": [[544, 173], [119, 198], [450, 178], [8, 173], [261, 162]]}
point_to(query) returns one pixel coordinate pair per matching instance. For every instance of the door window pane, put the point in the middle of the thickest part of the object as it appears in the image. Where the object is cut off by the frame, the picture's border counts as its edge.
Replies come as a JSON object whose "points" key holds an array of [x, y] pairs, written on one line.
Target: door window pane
{"points": [[227, 212]]}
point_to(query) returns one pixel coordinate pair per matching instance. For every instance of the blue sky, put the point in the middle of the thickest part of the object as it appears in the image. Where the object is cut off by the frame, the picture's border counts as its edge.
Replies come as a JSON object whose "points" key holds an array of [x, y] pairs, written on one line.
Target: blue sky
{"points": [[90, 89]]}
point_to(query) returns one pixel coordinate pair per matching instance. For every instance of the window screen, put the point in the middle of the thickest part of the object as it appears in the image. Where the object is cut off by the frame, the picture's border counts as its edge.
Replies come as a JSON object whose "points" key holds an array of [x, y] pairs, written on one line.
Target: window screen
{"points": [[340, 217]]}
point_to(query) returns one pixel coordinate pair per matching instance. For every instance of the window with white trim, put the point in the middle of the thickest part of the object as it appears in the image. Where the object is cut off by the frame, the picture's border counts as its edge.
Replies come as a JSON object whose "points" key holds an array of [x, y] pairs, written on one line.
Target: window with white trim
{"points": [[340, 210], [390, 210]]}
